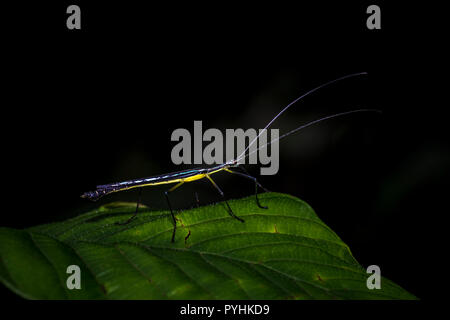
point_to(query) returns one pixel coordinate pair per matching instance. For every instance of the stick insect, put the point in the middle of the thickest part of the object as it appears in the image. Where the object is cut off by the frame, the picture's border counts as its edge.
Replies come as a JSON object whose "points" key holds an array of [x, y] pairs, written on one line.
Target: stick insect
{"points": [[231, 166]]}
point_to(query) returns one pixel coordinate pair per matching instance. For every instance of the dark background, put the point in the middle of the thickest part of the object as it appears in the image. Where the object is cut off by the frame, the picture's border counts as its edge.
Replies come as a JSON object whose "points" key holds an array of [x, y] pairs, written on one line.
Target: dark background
{"points": [[99, 105]]}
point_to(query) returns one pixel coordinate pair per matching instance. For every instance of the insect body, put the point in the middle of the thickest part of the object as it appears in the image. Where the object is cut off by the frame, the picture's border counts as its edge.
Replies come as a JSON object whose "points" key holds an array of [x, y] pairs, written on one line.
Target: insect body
{"points": [[179, 177], [190, 175], [174, 177]]}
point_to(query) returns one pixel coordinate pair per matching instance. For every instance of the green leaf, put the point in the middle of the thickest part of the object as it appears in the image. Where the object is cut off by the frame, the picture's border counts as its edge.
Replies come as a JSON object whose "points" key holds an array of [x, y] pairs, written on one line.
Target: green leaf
{"points": [[283, 252]]}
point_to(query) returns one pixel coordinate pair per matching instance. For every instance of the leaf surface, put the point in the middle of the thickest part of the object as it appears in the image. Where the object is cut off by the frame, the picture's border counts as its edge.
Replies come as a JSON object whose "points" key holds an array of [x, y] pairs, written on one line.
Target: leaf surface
{"points": [[283, 252]]}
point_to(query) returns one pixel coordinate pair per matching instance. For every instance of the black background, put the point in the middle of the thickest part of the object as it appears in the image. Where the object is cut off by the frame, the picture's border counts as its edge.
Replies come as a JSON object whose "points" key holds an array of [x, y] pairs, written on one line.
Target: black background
{"points": [[98, 105]]}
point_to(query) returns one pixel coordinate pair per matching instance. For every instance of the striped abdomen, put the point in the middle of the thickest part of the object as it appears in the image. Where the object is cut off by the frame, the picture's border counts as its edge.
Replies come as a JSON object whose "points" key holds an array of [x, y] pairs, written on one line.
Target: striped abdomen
{"points": [[125, 185]]}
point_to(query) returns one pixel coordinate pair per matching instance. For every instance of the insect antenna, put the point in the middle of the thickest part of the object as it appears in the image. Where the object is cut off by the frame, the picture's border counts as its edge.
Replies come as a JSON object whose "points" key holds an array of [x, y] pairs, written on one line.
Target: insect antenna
{"points": [[307, 125], [241, 156]]}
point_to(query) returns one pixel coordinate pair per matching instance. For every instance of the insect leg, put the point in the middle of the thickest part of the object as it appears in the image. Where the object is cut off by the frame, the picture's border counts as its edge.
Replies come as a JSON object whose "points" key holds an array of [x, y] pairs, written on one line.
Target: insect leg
{"points": [[135, 213], [248, 174], [257, 184], [230, 212], [197, 201], [170, 207]]}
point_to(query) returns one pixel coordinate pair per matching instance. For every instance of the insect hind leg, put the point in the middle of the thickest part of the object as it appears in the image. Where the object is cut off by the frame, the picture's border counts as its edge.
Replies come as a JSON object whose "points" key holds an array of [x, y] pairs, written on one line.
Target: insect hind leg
{"points": [[166, 193], [135, 213]]}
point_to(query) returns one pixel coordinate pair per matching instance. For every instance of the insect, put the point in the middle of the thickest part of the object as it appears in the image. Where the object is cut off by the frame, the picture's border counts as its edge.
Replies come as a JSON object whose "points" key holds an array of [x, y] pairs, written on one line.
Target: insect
{"points": [[232, 166]]}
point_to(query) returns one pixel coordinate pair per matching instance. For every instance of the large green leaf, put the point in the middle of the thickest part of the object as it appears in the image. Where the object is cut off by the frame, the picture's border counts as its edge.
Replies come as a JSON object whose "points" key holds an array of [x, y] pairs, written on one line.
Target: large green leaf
{"points": [[284, 252]]}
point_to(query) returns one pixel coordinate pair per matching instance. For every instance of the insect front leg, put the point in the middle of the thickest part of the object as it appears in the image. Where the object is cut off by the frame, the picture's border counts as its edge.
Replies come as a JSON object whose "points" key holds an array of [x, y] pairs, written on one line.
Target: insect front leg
{"points": [[257, 184]]}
